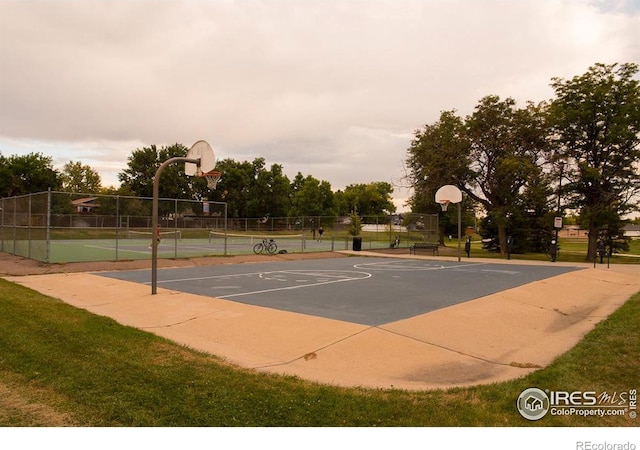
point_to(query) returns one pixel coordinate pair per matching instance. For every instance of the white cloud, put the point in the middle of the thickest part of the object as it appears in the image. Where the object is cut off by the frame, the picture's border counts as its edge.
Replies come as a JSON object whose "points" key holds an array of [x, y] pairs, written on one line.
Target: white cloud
{"points": [[330, 88]]}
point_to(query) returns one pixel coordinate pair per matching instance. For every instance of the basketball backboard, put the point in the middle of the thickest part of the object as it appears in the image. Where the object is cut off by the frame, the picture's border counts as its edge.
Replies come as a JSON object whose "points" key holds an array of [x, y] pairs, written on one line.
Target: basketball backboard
{"points": [[448, 193], [203, 151]]}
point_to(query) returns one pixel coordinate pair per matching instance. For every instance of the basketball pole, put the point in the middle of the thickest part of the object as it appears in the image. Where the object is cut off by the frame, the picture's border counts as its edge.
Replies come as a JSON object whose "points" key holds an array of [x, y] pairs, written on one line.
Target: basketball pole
{"points": [[459, 230], [154, 217]]}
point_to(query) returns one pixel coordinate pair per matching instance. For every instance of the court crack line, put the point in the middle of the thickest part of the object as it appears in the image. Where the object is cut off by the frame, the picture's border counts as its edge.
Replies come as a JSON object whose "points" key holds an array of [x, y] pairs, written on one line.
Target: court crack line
{"points": [[444, 347], [175, 324], [331, 344], [381, 328]]}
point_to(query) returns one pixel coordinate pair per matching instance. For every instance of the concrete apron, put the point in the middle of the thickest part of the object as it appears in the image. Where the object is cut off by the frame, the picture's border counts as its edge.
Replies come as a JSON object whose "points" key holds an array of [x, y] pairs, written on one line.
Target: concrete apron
{"points": [[490, 339]]}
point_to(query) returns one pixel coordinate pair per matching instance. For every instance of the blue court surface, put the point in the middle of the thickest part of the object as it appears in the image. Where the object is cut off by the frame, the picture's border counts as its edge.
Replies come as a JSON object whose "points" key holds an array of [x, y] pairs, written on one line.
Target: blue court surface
{"points": [[363, 290]]}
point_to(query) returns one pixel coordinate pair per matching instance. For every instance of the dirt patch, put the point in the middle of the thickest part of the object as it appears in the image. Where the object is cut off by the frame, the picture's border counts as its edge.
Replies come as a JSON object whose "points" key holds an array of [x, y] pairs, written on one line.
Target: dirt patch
{"points": [[17, 409], [11, 265]]}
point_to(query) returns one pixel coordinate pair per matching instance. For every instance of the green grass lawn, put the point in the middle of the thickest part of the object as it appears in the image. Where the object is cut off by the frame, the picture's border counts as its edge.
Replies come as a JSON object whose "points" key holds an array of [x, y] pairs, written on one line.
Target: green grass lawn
{"points": [[63, 365]]}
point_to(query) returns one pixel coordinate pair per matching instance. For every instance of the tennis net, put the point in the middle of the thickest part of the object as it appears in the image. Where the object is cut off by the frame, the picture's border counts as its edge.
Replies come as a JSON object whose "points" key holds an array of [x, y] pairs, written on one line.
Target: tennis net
{"points": [[169, 235], [252, 238]]}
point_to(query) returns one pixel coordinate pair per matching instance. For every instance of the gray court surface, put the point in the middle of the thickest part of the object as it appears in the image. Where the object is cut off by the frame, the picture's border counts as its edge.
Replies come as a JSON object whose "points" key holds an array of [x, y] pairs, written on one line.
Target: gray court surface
{"points": [[363, 290]]}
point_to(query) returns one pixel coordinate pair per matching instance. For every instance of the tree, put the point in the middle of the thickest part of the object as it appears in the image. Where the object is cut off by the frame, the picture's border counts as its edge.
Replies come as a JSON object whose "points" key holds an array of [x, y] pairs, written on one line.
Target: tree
{"points": [[438, 155], [141, 169], [355, 223], [533, 230], [311, 197], [493, 156], [268, 191], [79, 178], [508, 145], [250, 190], [596, 124], [372, 199], [234, 186], [20, 175]]}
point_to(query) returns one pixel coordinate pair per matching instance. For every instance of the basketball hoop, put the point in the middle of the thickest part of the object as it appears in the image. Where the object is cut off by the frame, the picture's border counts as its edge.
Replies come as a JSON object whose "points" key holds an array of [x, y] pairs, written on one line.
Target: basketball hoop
{"points": [[445, 205], [212, 178]]}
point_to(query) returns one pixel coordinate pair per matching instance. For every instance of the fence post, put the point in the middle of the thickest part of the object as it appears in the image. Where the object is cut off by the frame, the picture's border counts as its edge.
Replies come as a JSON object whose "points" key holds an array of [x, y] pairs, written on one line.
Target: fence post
{"points": [[2, 225], [48, 232], [225, 228], [117, 224], [29, 227], [15, 221], [175, 228]]}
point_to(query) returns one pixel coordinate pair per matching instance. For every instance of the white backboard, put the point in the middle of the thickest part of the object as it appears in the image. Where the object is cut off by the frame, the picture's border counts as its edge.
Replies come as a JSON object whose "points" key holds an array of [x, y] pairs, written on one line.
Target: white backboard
{"points": [[448, 192], [203, 151]]}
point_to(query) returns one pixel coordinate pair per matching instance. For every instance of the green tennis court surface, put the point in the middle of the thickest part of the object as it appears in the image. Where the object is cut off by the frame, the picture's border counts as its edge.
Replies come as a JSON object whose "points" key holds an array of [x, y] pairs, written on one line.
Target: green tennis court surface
{"points": [[216, 244]]}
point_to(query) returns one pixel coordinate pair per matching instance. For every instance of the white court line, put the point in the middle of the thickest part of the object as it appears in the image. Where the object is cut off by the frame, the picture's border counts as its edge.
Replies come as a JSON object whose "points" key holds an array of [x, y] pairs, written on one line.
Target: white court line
{"points": [[260, 274], [386, 266], [390, 267], [298, 286], [508, 272], [364, 276], [113, 249], [212, 277]]}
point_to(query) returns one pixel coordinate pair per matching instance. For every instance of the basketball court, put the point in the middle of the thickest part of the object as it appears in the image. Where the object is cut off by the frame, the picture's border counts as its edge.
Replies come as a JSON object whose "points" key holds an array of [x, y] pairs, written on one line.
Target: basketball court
{"points": [[410, 322], [362, 290]]}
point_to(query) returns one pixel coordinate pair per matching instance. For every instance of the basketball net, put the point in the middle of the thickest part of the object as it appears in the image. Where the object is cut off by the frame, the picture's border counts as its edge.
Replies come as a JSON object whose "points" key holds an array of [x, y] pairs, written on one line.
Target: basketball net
{"points": [[445, 205], [212, 178]]}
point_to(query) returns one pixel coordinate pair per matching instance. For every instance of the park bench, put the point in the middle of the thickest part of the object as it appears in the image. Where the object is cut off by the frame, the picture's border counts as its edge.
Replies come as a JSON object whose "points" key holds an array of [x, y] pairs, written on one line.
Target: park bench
{"points": [[424, 246]]}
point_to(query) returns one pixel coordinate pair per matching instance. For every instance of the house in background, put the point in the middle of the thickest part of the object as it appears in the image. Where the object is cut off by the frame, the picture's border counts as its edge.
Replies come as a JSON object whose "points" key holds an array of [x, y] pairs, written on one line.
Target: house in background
{"points": [[632, 231], [573, 231], [86, 205]]}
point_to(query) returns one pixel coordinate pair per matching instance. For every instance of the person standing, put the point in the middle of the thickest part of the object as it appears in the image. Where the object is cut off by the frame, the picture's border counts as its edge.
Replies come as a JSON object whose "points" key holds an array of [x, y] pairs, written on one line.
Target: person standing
{"points": [[553, 250]]}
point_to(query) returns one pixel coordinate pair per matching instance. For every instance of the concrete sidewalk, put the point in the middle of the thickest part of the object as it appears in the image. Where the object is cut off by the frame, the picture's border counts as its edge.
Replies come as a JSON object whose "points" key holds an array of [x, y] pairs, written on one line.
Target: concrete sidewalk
{"points": [[489, 339]]}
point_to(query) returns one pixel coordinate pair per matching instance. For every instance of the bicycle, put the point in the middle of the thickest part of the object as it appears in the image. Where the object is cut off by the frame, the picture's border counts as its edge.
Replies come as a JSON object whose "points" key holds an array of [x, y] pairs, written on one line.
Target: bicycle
{"points": [[267, 245]]}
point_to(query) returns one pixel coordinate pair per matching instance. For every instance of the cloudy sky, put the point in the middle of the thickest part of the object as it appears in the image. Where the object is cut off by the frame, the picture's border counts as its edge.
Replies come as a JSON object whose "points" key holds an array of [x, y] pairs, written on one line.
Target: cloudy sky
{"points": [[329, 88]]}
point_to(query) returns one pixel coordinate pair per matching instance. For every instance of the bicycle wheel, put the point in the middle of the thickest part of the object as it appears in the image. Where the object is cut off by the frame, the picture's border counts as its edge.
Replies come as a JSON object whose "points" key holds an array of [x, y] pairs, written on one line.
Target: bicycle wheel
{"points": [[258, 248], [272, 248]]}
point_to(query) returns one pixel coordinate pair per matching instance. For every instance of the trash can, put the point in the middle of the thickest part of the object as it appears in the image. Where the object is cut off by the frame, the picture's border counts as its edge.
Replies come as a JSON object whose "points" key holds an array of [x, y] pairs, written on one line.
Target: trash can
{"points": [[357, 244]]}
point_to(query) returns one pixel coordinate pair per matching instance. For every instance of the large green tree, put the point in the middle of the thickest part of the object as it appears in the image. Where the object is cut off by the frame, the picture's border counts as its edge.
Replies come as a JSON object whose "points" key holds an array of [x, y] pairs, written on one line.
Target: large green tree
{"points": [[439, 155], [370, 199], [508, 149], [596, 120], [79, 178], [269, 191], [494, 156], [26, 174], [252, 190], [234, 186], [142, 165], [311, 197]]}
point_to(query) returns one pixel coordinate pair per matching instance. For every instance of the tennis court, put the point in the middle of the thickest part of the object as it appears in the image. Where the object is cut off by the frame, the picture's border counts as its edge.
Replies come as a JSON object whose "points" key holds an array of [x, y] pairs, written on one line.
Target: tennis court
{"points": [[136, 245], [361, 290]]}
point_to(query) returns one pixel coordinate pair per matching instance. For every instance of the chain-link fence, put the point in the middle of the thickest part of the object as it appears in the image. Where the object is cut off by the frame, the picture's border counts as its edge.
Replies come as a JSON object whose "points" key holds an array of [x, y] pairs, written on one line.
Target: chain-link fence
{"points": [[65, 227], [56, 227]]}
